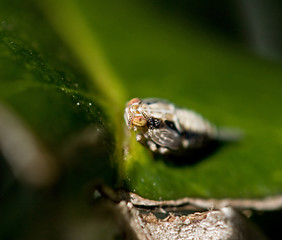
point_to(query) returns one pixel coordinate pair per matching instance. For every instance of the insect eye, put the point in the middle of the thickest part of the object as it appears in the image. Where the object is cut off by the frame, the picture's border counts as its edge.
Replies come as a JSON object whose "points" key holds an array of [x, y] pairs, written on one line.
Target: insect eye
{"points": [[139, 121]]}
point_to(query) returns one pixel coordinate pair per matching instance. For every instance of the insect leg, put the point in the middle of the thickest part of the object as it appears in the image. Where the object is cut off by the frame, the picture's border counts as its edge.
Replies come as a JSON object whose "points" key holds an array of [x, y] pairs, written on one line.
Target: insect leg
{"points": [[152, 146], [163, 150], [185, 143], [139, 137]]}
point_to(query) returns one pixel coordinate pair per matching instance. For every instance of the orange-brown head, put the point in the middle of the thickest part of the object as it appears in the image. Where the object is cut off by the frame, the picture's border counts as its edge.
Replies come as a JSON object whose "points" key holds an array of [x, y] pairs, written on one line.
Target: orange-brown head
{"points": [[132, 114]]}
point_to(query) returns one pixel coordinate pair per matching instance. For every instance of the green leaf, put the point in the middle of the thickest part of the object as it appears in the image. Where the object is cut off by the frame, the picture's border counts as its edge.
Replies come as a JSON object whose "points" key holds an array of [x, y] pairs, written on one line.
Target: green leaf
{"points": [[53, 65], [56, 135], [43, 85], [157, 55]]}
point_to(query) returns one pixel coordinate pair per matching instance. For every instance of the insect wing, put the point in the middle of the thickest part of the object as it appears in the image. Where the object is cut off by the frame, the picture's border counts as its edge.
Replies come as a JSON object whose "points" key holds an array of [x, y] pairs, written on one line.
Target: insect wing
{"points": [[156, 108], [166, 138]]}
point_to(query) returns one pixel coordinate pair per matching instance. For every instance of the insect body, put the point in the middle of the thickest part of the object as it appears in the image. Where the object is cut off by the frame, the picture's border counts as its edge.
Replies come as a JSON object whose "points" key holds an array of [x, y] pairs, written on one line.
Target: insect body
{"points": [[165, 128]]}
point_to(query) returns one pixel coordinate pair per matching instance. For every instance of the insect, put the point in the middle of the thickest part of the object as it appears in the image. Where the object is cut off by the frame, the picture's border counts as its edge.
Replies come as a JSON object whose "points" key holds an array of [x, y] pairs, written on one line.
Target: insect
{"points": [[167, 129]]}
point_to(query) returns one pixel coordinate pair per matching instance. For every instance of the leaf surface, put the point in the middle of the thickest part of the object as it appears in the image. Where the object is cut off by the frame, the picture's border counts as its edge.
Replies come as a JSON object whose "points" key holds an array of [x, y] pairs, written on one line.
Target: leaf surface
{"points": [[56, 77]]}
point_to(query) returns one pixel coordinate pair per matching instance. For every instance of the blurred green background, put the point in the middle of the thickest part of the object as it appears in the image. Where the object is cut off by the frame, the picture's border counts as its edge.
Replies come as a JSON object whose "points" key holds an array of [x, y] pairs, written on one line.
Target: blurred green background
{"points": [[68, 67]]}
